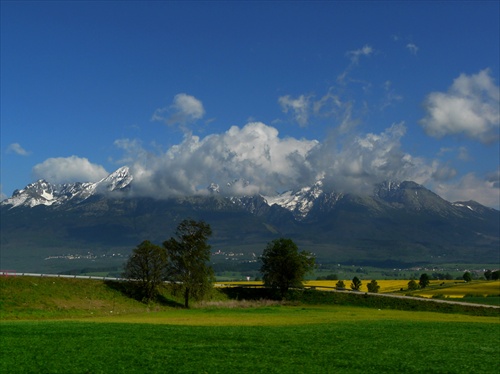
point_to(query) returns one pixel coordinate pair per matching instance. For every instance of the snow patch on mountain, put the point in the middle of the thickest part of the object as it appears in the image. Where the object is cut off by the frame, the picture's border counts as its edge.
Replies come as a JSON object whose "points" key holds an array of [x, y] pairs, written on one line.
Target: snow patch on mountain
{"points": [[298, 202], [42, 192], [463, 205], [117, 180]]}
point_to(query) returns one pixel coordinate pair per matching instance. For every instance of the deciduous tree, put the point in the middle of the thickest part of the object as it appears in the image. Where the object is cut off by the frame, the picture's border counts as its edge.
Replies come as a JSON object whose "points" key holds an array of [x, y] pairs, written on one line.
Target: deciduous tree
{"points": [[356, 284], [373, 286], [467, 277], [283, 266], [412, 285], [188, 257], [424, 280], [146, 269]]}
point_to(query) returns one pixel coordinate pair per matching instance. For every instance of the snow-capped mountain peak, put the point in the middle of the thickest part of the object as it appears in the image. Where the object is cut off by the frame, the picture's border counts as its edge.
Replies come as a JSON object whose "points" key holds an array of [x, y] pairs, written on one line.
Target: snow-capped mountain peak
{"points": [[39, 192], [119, 179], [299, 202], [42, 192]]}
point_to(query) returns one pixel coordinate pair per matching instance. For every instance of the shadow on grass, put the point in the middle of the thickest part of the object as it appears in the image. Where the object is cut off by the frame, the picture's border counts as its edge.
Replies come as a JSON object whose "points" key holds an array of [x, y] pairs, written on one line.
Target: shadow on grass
{"points": [[244, 293], [133, 291]]}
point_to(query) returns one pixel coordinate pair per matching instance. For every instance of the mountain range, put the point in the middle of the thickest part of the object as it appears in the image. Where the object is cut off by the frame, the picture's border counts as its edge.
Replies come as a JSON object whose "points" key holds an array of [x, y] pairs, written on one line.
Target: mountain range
{"points": [[44, 226]]}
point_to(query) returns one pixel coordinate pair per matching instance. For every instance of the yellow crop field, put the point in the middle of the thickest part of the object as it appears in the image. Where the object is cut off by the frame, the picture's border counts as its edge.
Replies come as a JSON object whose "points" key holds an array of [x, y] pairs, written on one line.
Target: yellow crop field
{"points": [[386, 286], [447, 288], [483, 288]]}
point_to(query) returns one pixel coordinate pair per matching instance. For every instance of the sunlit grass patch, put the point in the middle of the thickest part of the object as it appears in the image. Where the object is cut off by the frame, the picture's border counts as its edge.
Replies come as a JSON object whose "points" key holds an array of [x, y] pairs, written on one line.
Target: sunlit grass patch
{"points": [[297, 340], [284, 315]]}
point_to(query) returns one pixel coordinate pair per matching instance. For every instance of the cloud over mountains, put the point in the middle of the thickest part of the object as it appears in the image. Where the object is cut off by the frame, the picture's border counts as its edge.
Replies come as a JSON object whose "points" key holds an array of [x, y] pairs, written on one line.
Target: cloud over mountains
{"points": [[69, 169], [254, 158]]}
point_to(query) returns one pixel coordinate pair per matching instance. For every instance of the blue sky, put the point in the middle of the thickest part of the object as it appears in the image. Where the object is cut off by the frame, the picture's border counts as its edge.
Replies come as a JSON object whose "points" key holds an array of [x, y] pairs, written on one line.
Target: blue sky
{"points": [[274, 95]]}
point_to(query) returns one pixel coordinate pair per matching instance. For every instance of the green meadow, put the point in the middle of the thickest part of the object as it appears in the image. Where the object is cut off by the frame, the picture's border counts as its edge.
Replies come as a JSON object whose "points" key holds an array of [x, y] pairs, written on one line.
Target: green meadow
{"points": [[99, 330]]}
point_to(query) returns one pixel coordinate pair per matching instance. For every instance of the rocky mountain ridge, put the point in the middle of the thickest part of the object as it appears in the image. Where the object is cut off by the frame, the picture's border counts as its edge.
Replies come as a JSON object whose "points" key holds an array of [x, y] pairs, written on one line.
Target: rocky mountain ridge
{"points": [[300, 202], [399, 221]]}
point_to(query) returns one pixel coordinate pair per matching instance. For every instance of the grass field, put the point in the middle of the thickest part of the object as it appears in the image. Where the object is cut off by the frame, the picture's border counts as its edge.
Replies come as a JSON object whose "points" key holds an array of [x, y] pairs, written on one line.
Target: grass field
{"points": [[83, 326], [270, 340], [41, 298]]}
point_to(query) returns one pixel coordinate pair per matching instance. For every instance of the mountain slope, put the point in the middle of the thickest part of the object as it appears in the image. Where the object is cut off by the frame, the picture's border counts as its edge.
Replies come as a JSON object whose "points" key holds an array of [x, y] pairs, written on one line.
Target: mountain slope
{"points": [[400, 221]]}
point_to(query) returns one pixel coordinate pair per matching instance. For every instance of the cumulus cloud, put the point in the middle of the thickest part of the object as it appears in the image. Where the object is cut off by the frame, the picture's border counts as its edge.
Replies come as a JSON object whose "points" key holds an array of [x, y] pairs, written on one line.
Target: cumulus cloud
{"points": [[484, 190], [254, 156], [471, 107], [69, 169], [363, 160], [255, 159], [17, 149], [185, 109]]}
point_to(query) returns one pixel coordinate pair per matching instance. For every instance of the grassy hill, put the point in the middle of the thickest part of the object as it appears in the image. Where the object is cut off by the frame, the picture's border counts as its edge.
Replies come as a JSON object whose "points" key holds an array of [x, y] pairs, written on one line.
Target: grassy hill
{"points": [[64, 298], [41, 298]]}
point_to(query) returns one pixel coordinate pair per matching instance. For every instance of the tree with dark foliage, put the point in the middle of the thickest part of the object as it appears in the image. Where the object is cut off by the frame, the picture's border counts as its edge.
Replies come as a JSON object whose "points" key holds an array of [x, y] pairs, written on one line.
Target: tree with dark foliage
{"points": [[146, 269], [283, 266], [356, 284], [188, 255], [424, 280], [412, 285], [467, 277], [373, 286]]}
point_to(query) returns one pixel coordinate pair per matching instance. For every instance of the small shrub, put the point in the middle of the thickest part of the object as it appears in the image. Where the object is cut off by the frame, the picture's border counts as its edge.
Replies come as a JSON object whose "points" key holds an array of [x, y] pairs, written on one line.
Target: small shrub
{"points": [[438, 296]]}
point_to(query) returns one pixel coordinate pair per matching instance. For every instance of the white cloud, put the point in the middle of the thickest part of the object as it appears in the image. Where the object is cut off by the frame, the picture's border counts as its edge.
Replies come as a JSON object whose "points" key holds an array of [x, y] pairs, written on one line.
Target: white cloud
{"points": [[366, 50], [185, 109], [300, 107], [412, 48], [69, 169], [485, 190], [17, 149], [254, 155], [354, 164], [444, 173], [306, 108], [470, 107], [390, 96], [256, 160], [354, 55]]}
